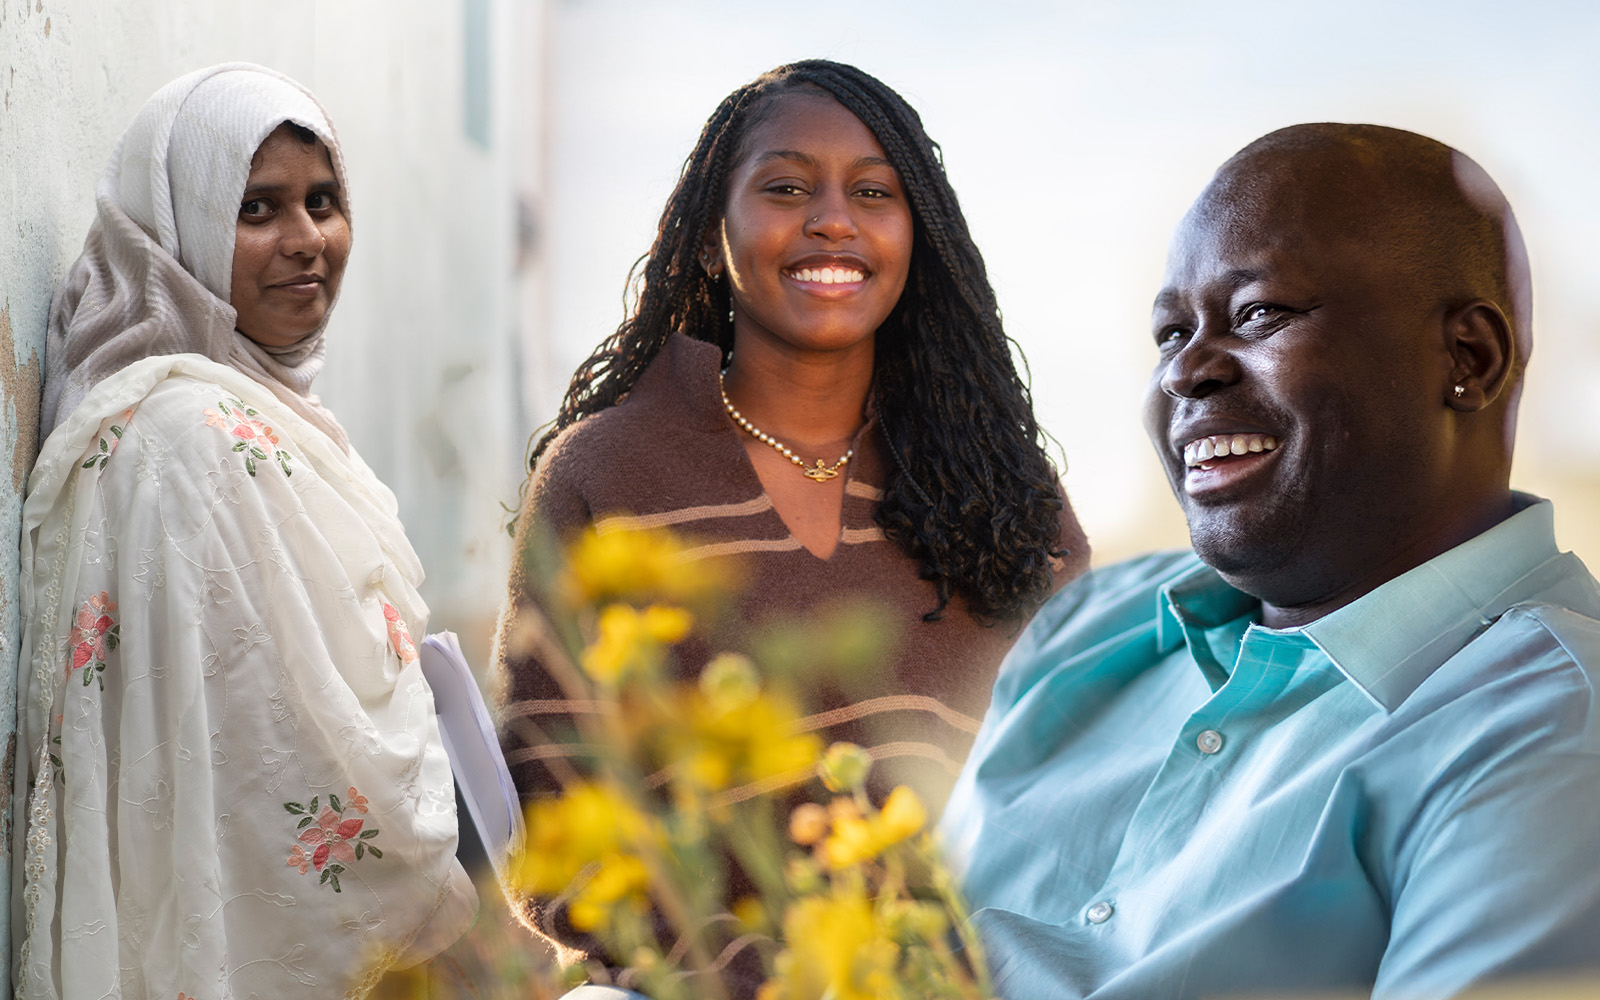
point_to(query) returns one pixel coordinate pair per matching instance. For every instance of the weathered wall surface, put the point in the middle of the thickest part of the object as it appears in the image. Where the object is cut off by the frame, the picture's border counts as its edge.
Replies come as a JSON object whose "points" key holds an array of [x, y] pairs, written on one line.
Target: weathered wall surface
{"points": [[422, 364]]}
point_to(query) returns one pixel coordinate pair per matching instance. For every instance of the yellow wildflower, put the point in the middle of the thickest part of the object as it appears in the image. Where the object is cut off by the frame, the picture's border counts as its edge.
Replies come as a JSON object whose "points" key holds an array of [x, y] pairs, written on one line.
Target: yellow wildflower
{"points": [[834, 948], [722, 741], [902, 816], [852, 842], [636, 566], [623, 880], [587, 823], [633, 641], [856, 838]]}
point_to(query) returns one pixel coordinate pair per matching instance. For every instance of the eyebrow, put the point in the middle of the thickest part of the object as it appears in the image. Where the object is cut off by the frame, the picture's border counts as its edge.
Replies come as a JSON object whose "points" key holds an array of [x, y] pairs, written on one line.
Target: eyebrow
{"points": [[806, 159], [1168, 298], [256, 190]]}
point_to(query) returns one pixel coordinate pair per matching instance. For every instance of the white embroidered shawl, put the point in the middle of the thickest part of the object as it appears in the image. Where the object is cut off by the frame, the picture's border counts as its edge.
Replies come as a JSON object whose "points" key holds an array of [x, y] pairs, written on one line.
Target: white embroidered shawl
{"points": [[229, 776], [229, 771]]}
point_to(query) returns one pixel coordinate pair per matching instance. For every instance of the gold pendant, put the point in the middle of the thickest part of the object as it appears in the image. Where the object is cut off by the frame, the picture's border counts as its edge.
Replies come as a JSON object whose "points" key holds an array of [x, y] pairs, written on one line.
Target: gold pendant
{"points": [[820, 474]]}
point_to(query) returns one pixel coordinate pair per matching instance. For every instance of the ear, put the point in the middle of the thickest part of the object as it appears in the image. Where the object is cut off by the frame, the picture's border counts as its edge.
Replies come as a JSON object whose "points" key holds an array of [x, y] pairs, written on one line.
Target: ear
{"points": [[1483, 353], [711, 250]]}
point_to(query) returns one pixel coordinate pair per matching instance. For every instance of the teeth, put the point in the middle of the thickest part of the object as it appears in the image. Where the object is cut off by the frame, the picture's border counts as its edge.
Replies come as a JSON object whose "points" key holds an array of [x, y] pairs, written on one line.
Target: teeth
{"points": [[1222, 445], [829, 275]]}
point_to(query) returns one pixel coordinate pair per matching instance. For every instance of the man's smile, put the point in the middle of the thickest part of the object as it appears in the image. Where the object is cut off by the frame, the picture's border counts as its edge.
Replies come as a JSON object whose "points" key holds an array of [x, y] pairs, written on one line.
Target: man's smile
{"points": [[1203, 450], [1216, 464]]}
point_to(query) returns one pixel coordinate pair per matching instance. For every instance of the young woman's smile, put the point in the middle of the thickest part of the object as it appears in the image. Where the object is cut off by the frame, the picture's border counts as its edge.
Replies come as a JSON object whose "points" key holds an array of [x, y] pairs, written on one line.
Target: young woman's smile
{"points": [[816, 235]]}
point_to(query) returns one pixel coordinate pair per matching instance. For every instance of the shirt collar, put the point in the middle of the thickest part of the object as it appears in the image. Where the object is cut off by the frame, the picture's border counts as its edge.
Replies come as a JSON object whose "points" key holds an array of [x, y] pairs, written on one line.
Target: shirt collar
{"points": [[1389, 640], [1200, 599]]}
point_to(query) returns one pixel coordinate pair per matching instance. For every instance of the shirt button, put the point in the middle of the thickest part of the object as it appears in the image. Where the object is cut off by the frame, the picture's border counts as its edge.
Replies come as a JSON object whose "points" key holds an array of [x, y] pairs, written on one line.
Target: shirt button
{"points": [[1209, 741], [1100, 912]]}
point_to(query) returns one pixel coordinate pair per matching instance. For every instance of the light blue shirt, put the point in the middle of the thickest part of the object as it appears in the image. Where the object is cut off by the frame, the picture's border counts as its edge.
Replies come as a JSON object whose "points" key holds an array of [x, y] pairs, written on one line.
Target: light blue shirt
{"points": [[1169, 800]]}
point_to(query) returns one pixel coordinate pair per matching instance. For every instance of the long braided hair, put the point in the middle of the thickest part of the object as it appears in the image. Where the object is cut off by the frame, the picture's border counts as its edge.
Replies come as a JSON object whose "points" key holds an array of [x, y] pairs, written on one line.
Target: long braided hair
{"points": [[972, 495]]}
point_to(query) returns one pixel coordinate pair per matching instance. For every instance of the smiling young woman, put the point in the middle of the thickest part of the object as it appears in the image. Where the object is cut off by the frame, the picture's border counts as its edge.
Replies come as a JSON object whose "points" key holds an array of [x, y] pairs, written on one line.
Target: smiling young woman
{"points": [[814, 380]]}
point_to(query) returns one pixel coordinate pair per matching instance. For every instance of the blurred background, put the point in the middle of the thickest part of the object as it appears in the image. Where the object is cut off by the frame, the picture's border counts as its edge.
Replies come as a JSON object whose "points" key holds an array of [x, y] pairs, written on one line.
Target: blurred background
{"points": [[508, 161]]}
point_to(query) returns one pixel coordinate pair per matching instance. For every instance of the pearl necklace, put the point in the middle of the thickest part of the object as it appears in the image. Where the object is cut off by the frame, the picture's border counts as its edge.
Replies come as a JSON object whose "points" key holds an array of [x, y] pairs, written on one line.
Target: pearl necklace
{"points": [[818, 473]]}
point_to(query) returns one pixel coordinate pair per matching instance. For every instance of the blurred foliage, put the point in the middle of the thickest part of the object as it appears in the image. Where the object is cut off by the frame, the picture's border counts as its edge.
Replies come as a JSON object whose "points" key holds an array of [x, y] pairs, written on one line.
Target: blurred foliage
{"points": [[698, 838]]}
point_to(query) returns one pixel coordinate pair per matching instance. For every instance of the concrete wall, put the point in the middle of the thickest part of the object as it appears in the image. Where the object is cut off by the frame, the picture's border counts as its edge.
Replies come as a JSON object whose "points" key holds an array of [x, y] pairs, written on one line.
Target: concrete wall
{"points": [[432, 103]]}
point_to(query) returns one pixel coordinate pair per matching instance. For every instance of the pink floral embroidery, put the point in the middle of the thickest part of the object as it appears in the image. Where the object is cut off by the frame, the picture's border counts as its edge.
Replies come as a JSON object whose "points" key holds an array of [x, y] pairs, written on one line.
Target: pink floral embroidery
{"points": [[257, 441], [399, 636], [103, 454], [329, 842], [94, 635]]}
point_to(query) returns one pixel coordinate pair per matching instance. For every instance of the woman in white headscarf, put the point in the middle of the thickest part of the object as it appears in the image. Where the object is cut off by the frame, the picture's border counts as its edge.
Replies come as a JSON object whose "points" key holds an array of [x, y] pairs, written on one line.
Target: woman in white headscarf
{"points": [[230, 780]]}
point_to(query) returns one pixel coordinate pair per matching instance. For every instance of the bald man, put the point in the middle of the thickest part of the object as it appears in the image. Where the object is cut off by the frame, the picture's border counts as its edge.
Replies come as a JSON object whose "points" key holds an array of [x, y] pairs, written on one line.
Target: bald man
{"points": [[1350, 742]]}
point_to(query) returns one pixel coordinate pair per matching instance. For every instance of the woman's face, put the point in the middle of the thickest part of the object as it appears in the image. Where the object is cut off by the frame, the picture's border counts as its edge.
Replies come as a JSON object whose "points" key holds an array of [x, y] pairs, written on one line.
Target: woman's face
{"points": [[816, 235], [291, 243]]}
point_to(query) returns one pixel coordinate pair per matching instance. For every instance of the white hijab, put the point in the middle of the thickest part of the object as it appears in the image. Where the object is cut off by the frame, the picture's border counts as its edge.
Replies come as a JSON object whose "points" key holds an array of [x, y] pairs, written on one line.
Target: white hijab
{"points": [[156, 271]]}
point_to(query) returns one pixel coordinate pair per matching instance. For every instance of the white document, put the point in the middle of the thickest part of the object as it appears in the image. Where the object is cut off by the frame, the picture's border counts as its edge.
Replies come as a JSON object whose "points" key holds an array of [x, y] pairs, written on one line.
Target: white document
{"points": [[469, 739]]}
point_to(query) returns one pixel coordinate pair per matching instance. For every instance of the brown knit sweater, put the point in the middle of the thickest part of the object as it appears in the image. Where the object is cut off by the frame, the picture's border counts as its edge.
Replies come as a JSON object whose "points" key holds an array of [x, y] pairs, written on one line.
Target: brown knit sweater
{"points": [[669, 456]]}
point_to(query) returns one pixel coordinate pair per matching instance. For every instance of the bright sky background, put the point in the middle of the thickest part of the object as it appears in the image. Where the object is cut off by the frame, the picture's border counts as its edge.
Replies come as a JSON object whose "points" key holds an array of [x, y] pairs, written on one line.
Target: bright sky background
{"points": [[1076, 134]]}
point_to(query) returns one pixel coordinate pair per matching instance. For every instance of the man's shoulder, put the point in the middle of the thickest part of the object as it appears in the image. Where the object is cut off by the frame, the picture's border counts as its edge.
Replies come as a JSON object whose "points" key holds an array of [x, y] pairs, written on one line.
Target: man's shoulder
{"points": [[1538, 662], [1544, 645]]}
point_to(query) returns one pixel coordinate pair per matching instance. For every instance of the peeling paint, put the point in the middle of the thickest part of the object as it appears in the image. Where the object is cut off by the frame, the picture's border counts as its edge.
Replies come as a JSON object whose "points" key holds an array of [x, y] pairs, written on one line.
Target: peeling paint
{"points": [[21, 386], [7, 769]]}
